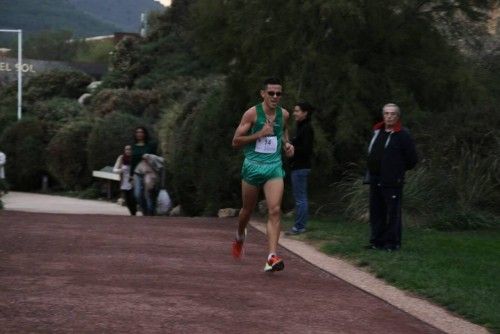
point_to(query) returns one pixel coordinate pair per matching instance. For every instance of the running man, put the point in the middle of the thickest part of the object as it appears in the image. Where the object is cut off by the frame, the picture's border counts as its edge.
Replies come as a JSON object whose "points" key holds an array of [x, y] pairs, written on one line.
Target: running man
{"points": [[263, 133]]}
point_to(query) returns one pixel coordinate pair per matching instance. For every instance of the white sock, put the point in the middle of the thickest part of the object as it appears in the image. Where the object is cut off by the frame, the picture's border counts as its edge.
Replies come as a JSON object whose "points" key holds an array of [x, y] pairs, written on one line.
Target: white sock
{"points": [[240, 237], [270, 255]]}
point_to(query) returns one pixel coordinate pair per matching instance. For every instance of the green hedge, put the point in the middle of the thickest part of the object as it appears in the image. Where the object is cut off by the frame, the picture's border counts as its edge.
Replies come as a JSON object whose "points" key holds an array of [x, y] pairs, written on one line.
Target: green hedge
{"points": [[56, 83], [67, 158], [108, 137], [55, 112], [139, 103], [205, 168], [23, 143]]}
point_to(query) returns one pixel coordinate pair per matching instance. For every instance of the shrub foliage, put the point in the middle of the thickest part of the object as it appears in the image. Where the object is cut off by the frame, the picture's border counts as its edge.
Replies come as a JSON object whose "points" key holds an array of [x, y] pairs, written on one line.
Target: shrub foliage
{"points": [[66, 155], [23, 143], [56, 83], [108, 137], [139, 103]]}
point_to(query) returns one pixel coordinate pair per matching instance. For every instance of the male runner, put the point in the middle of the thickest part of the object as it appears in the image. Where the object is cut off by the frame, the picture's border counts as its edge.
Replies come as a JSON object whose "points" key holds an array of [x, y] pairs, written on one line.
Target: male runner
{"points": [[263, 133]]}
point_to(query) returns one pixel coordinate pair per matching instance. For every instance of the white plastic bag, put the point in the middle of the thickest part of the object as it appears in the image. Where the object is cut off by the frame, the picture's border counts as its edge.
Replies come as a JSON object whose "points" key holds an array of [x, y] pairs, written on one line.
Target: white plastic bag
{"points": [[163, 202]]}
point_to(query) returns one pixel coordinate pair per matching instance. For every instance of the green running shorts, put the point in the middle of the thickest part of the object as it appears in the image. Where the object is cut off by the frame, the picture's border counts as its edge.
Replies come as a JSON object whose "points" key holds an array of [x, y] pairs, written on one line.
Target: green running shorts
{"points": [[258, 173]]}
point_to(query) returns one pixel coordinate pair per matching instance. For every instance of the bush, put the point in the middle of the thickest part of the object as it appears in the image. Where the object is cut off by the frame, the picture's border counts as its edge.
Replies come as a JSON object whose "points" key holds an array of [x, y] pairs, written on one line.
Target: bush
{"points": [[475, 179], [354, 195], [432, 195], [424, 191], [67, 159], [419, 195], [139, 103], [8, 107], [56, 83], [4, 186], [8, 116], [125, 65], [167, 127], [108, 137], [198, 125], [23, 143], [205, 168], [92, 192], [459, 220], [55, 113]]}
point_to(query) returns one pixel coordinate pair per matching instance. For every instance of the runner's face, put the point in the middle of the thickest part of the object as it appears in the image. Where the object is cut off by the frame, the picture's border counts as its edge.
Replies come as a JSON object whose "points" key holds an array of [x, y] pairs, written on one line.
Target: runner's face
{"points": [[271, 95]]}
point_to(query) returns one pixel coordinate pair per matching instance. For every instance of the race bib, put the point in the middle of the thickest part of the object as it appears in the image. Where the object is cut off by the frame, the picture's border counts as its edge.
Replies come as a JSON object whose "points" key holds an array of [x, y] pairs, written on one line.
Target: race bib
{"points": [[266, 144]]}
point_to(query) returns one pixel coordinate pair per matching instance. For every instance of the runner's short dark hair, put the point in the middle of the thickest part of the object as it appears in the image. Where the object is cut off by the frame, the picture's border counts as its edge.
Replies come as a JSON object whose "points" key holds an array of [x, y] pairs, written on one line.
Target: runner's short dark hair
{"points": [[271, 81]]}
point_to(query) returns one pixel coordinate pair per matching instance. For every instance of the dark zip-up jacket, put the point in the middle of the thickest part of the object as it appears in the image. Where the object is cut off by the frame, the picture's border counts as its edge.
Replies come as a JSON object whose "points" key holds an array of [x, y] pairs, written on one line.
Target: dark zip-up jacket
{"points": [[399, 155], [303, 143]]}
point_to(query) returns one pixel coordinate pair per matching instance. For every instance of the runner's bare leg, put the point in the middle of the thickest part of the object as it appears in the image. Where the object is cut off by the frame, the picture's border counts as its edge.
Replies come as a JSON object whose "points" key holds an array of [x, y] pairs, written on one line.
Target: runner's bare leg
{"points": [[273, 190], [249, 196]]}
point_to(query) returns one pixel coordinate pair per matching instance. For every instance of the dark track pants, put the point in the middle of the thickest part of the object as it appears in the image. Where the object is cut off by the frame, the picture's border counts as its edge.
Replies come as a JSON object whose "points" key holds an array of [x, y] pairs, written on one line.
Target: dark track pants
{"points": [[385, 215], [129, 197]]}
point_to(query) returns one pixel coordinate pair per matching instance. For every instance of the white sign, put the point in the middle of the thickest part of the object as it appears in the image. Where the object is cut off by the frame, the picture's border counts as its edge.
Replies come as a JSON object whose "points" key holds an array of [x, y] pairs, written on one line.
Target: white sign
{"points": [[7, 67]]}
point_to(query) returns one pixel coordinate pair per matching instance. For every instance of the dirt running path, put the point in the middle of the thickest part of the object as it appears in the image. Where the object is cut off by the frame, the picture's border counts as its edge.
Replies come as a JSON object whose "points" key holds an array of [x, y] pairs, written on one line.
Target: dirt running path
{"points": [[109, 274]]}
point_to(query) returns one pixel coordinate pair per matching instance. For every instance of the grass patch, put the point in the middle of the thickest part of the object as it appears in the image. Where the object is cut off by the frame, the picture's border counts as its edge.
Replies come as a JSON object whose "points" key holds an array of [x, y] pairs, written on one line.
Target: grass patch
{"points": [[458, 270]]}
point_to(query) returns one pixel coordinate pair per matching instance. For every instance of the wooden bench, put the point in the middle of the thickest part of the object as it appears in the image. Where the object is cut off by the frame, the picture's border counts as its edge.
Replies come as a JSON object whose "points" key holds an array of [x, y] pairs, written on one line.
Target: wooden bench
{"points": [[107, 174]]}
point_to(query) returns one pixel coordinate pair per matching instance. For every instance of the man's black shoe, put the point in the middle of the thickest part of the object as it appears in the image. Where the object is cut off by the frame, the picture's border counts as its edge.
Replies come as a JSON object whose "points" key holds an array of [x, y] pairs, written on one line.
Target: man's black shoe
{"points": [[391, 249], [371, 247]]}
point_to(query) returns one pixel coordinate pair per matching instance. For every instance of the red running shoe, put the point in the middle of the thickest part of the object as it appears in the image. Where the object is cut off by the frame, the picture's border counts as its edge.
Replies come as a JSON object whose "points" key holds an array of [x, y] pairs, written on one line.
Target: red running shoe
{"points": [[275, 263], [238, 249]]}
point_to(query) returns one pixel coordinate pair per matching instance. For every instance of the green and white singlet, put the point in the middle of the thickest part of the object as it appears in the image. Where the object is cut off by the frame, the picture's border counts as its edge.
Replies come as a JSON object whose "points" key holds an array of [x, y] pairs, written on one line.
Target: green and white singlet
{"points": [[263, 157]]}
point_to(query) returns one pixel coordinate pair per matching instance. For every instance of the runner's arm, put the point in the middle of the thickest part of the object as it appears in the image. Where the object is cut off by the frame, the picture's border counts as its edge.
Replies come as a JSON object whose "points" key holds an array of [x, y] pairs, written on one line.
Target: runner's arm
{"points": [[241, 138]]}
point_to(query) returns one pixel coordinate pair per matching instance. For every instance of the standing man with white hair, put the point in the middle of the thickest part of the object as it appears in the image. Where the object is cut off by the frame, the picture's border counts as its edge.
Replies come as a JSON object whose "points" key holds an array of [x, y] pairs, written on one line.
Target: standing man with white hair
{"points": [[390, 154]]}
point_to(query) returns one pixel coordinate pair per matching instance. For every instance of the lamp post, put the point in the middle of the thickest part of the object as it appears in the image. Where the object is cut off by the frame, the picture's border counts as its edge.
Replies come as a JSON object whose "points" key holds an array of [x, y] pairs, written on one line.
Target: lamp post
{"points": [[19, 68], [144, 25]]}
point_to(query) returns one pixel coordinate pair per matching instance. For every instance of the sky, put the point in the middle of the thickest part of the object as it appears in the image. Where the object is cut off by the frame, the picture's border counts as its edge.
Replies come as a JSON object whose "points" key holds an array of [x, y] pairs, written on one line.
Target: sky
{"points": [[164, 2]]}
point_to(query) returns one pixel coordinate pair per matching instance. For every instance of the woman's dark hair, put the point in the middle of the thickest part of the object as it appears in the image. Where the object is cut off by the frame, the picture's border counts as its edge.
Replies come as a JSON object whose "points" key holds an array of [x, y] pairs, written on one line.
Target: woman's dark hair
{"points": [[126, 159], [306, 106], [146, 134]]}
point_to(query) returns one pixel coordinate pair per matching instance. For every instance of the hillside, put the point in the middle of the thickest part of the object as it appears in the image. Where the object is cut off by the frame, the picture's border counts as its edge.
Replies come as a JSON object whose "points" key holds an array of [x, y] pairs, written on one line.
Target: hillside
{"points": [[476, 39], [37, 15], [123, 13]]}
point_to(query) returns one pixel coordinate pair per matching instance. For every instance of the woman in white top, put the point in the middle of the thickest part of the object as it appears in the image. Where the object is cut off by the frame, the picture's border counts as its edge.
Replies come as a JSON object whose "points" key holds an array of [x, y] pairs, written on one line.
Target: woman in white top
{"points": [[122, 166]]}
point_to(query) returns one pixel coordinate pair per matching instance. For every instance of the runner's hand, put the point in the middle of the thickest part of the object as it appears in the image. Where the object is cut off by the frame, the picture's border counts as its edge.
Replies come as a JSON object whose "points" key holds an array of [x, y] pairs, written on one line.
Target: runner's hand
{"points": [[267, 129]]}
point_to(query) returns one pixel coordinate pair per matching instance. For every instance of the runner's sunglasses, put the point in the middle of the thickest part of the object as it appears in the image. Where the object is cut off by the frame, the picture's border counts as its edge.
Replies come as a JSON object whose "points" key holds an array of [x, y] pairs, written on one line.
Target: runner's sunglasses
{"points": [[270, 93]]}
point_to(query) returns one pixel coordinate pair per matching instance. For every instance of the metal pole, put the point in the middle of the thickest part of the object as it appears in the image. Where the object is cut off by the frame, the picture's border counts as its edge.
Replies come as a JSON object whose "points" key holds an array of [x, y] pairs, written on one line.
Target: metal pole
{"points": [[19, 73], [19, 68]]}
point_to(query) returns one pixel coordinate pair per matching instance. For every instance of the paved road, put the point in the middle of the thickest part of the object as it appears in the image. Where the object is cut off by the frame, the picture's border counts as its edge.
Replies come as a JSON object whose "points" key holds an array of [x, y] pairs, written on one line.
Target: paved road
{"points": [[63, 273], [87, 269]]}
